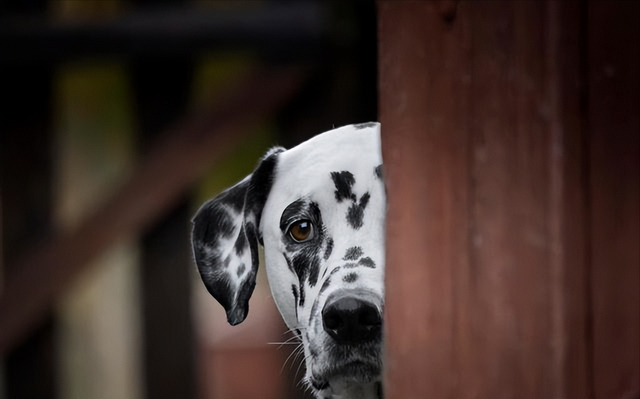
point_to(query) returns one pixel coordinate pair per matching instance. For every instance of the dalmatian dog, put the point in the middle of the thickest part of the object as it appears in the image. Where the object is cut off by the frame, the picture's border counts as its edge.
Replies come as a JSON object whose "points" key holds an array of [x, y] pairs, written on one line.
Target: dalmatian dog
{"points": [[318, 210]]}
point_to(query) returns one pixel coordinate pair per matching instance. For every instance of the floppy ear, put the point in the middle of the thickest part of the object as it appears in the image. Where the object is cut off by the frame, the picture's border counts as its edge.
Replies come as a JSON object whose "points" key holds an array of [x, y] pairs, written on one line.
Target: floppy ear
{"points": [[225, 238]]}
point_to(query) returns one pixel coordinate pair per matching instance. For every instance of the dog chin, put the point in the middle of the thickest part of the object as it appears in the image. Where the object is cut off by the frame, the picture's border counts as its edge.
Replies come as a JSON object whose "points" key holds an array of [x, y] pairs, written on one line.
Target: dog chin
{"points": [[357, 372], [348, 373]]}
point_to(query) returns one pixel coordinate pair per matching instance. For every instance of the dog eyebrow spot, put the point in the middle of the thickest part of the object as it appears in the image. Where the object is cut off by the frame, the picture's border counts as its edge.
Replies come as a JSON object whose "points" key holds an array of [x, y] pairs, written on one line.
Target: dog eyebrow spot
{"points": [[343, 182], [353, 253], [350, 278]]}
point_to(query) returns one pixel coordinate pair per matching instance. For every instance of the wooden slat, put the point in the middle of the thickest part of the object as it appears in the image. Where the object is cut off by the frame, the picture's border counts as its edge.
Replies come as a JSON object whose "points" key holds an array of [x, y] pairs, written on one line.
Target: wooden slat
{"points": [[486, 279], [178, 159], [420, 68], [614, 137]]}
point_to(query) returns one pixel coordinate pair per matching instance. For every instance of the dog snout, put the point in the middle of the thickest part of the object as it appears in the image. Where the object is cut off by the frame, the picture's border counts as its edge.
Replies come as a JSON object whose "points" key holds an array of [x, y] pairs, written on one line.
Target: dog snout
{"points": [[349, 319]]}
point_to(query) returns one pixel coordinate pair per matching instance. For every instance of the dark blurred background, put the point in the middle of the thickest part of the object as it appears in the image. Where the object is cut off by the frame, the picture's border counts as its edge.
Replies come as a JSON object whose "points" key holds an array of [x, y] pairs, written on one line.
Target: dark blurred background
{"points": [[119, 118]]}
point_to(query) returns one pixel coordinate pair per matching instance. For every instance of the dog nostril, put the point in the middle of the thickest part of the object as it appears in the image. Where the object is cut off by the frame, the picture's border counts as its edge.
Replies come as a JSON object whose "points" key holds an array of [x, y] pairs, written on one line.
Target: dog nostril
{"points": [[351, 320]]}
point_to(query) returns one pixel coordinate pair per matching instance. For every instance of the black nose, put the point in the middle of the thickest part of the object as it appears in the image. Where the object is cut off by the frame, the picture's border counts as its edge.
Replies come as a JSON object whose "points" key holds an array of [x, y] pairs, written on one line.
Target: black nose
{"points": [[351, 320]]}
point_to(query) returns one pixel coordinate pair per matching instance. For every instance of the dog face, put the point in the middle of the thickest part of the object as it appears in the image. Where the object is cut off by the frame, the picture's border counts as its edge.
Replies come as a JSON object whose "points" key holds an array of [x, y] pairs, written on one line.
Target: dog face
{"points": [[319, 211]]}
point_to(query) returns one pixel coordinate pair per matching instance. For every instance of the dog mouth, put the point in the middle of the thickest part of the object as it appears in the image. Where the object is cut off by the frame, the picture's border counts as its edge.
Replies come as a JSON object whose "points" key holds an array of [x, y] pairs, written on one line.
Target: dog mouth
{"points": [[355, 369]]}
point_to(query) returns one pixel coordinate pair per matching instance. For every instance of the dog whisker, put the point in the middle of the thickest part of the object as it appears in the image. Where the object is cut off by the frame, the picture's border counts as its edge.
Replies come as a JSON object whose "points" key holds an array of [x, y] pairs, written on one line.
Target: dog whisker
{"points": [[304, 361], [294, 355]]}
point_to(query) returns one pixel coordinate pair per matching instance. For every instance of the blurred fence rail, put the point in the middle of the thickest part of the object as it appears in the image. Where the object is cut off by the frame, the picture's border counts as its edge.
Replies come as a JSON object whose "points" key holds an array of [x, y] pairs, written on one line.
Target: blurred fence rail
{"points": [[180, 157]]}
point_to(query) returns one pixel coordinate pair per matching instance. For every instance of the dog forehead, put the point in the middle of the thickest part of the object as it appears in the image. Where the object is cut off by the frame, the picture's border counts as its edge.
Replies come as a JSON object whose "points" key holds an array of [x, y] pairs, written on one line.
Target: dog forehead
{"points": [[349, 148]]}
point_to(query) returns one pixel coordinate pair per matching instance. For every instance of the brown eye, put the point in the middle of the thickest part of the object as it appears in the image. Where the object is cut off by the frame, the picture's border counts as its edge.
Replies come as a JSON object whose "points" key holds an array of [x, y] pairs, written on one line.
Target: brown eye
{"points": [[301, 231]]}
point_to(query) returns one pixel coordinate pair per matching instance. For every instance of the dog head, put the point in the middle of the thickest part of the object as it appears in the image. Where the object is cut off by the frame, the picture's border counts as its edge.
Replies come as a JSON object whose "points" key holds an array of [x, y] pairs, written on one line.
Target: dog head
{"points": [[318, 209]]}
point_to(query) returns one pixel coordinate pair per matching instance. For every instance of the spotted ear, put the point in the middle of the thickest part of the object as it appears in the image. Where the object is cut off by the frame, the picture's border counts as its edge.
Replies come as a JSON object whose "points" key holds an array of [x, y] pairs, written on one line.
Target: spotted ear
{"points": [[225, 238]]}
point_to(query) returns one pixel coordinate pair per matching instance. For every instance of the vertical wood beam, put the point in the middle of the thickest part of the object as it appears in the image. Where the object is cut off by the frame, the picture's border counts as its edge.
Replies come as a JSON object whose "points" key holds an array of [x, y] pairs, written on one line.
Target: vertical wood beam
{"points": [[165, 269], [614, 138], [488, 268], [25, 178]]}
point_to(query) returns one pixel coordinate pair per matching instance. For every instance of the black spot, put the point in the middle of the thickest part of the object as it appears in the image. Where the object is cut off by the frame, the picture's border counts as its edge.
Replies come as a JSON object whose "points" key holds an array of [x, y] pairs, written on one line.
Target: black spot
{"points": [[301, 301], [343, 182], [226, 261], [241, 270], [241, 243], [364, 125], [294, 290], [355, 214], [350, 278], [328, 249], [350, 265], [364, 200], [314, 270], [378, 171], [299, 264], [368, 262], [353, 253]]}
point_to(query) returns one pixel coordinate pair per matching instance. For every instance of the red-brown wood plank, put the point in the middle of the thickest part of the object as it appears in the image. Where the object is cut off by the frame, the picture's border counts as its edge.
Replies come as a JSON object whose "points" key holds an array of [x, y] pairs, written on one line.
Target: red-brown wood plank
{"points": [[421, 66], [484, 157], [614, 138]]}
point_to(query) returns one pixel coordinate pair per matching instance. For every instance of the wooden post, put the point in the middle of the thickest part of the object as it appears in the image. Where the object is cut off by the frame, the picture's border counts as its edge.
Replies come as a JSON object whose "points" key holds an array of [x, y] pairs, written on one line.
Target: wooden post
{"points": [[613, 116], [497, 196]]}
